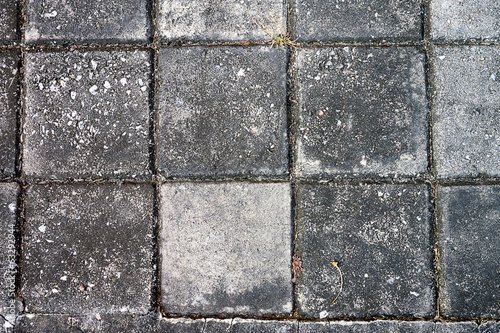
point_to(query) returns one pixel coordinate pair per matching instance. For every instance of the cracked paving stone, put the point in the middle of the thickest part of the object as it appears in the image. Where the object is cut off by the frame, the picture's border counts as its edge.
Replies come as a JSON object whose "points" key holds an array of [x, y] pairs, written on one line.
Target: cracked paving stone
{"points": [[9, 89], [357, 19], [195, 20], [8, 217], [223, 112], [360, 111], [116, 21], [88, 249], [213, 262], [466, 110], [30, 323], [362, 327], [469, 251], [9, 14], [459, 20], [87, 115], [380, 235]]}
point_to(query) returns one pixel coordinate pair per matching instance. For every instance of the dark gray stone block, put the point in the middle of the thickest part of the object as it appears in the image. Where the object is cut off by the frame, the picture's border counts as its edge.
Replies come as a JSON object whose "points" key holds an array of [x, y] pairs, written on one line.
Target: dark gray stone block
{"points": [[380, 235], [463, 327], [236, 325], [490, 327], [368, 327], [262, 326], [183, 325], [87, 115], [213, 262], [223, 112], [9, 14], [466, 111], [88, 249], [9, 88], [469, 257], [87, 21], [220, 20], [360, 111], [8, 250], [458, 20], [62, 323], [357, 19]]}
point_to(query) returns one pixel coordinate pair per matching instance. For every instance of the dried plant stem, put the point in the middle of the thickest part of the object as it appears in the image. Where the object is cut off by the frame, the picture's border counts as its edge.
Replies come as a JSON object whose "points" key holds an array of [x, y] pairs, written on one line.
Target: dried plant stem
{"points": [[334, 263]]}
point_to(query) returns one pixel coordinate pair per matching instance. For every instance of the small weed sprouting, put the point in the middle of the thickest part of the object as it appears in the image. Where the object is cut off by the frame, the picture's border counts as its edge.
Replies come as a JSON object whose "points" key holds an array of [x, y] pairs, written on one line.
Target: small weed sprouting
{"points": [[280, 40], [296, 267], [336, 264]]}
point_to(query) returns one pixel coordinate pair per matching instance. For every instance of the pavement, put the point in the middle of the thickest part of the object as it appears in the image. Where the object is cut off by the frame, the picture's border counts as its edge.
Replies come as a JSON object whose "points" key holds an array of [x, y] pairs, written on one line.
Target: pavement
{"points": [[250, 166]]}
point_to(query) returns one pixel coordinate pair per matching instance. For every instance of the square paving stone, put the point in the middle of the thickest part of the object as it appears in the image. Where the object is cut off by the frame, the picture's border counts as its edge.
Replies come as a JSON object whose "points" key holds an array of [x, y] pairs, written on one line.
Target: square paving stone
{"points": [[463, 327], [220, 20], [471, 19], [466, 111], [87, 21], [490, 327], [469, 258], [9, 88], [360, 111], [9, 14], [8, 250], [88, 249], [87, 115], [223, 112], [368, 327], [357, 19], [380, 236], [226, 248], [236, 325]]}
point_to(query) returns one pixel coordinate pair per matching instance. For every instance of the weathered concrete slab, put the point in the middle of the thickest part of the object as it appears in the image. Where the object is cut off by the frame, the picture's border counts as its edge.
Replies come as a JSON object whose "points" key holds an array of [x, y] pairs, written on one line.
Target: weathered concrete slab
{"points": [[88, 249], [9, 21], [490, 327], [87, 115], [226, 248], [87, 21], [8, 248], [469, 251], [236, 325], [361, 327], [463, 327], [9, 92], [360, 111], [380, 235], [63, 323], [357, 19], [220, 20], [466, 111], [223, 112], [264, 326], [459, 20]]}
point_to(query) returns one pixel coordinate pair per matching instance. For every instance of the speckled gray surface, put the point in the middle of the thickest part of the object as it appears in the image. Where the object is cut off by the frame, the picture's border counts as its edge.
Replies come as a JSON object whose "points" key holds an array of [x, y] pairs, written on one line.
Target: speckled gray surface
{"points": [[87, 21], [88, 249], [213, 262], [380, 235], [357, 19], [459, 20], [9, 24], [469, 257], [8, 248], [87, 115], [220, 20], [9, 107], [223, 112], [466, 111], [360, 111]]}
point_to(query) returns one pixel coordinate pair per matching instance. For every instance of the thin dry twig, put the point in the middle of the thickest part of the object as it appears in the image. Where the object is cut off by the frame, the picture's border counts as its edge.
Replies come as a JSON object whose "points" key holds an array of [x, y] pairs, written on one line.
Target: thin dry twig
{"points": [[336, 264]]}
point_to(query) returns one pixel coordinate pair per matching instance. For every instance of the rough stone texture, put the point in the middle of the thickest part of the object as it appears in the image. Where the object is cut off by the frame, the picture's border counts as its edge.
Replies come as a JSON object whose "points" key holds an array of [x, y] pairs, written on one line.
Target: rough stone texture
{"points": [[357, 19], [380, 235], [466, 111], [9, 88], [9, 14], [361, 327], [88, 249], [30, 323], [361, 111], [490, 327], [262, 326], [87, 115], [8, 216], [468, 225], [226, 248], [220, 20], [463, 327], [185, 325], [223, 112], [452, 19], [236, 325], [87, 21]]}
